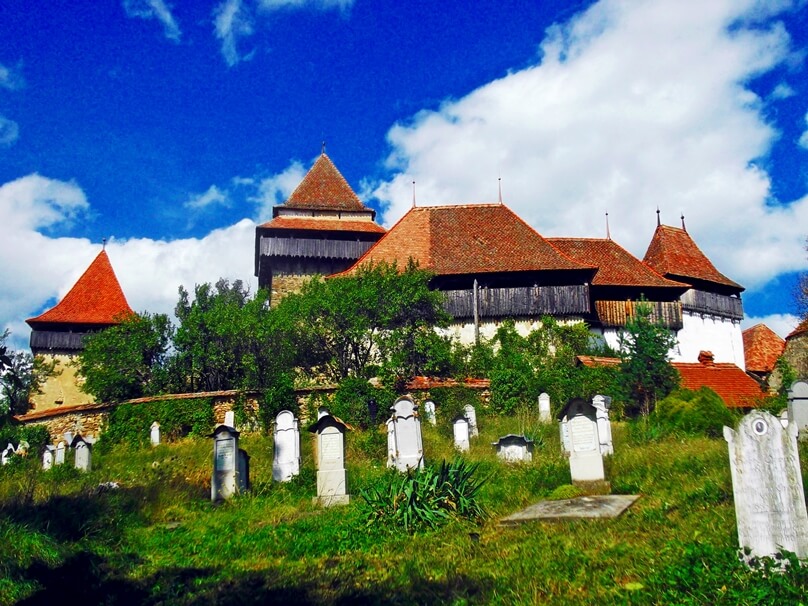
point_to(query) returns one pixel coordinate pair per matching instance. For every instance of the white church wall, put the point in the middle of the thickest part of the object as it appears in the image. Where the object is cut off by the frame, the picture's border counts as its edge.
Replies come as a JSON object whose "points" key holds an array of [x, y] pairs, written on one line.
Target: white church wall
{"points": [[709, 333]]}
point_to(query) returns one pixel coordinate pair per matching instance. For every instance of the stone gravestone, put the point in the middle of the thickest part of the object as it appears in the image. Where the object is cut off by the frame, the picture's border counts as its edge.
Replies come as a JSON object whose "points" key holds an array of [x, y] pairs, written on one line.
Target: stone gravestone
{"points": [[601, 404], [48, 455], [544, 408], [243, 476], [230, 418], [471, 415], [224, 482], [784, 418], [332, 483], [798, 407], [460, 427], [586, 461], [391, 441], [514, 448], [60, 454], [286, 463], [408, 447], [68, 436], [767, 486], [429, 412], [7, 453], [83, 453], [154, 434]]}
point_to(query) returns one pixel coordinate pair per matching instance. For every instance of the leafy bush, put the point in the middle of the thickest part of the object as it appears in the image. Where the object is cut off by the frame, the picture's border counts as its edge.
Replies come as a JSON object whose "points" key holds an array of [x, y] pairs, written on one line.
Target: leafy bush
{"points": [[693, 412], [351, 400], [425, 498], [451, 402], [277, 397]]}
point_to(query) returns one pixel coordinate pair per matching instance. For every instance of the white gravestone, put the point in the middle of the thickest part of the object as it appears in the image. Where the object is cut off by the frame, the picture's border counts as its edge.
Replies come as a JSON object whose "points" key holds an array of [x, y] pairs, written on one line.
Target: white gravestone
{"points": [[798, 407], [332, 482], [224, 482], [60, 454], [429, 412], [544, 408], [230, 419], [68, 436], [514, 448], [767, 486], [154, 434], [601, 404], [408, 447], [7, 453], [471, 415], [586, 461], [83, 454], [286, 463], [460, 428], [391, 441], [48, 455], [784, 418]]}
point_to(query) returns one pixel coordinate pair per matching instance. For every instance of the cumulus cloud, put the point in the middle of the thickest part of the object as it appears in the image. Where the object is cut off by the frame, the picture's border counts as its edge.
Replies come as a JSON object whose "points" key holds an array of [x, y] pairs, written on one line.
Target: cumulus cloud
{"points": [[276, 189], [630, 106], [154, 9], [231, 22], [782, 324], [38, 266], [9, 131], [213, 196]]}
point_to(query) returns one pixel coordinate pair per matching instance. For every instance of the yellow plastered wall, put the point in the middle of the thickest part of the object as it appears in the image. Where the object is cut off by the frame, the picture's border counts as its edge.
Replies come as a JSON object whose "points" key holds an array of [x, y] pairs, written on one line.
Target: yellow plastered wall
{"points": [[63, 388]]}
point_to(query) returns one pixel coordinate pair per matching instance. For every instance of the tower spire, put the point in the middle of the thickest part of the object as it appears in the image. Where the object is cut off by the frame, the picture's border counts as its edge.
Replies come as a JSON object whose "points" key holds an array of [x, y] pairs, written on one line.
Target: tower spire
{"points": [[322, 149], [658, 222], [608, 233], [683, 222], [413, 193], [499, 183]]}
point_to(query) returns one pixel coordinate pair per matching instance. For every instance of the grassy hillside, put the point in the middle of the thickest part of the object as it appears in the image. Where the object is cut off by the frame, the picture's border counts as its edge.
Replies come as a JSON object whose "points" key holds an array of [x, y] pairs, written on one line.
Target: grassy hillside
{"points": [[158, 539]]}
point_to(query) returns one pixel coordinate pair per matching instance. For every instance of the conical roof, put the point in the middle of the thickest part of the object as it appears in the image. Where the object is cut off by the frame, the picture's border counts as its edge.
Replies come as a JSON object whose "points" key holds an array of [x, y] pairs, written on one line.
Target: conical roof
{"points": [[96, 298], [674, 254], [761, 347], [324, 188]]}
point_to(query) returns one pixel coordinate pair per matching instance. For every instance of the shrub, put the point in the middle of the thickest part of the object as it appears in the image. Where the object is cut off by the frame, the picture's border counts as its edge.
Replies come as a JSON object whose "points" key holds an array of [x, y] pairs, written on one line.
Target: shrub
{"points": [[451, 402], [277, 397], [693, 412], [351, 399]]}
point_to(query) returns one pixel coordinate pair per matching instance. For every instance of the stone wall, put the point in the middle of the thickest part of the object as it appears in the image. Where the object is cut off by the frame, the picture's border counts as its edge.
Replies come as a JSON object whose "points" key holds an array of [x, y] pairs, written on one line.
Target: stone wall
{"points": [[796, 354], [286, 285]]}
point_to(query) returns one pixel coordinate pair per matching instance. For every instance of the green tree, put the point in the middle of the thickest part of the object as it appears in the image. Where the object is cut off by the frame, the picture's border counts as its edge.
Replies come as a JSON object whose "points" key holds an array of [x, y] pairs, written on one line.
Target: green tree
{"points": [[645, 371], [128, 360], [21, 376]]}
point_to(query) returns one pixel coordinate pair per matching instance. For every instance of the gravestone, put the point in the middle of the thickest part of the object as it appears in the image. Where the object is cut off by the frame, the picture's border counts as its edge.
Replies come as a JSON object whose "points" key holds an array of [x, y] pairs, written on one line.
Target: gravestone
{"points": [[798, 407], [83, 453], [544, 408], [767, 487], [68, 436], [154, 434], [7, 453], [391, 441], [471, 415], [429, 412], [784, 418], [224, 481], [408, 447], [230, 419], [332, 483], [586, 460], [243, 476], [514, 448], [460, 429], [60, 454], [602, 404], [373, 411], [286, 463], [48, 455]]}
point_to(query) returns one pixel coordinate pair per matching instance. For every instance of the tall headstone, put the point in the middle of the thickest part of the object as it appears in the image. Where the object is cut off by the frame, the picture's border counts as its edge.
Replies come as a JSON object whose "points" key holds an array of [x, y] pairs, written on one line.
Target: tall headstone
{"points": [[83, 453], [48, 455], [586, 461], [429, 412], [544, 408], [154, 434], [798, 407], [514, 448], [471, 415], [286, 463], [391, 441], [230, 418], [602, 404], [224, 481], [767, 486], [60, 453], [460, 429], [7, 453], [332, 482], [408, 446]]}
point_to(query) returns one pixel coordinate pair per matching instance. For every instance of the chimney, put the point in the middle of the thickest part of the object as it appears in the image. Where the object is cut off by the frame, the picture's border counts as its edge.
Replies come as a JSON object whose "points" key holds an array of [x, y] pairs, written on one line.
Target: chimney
{"points": [[706, 358]]}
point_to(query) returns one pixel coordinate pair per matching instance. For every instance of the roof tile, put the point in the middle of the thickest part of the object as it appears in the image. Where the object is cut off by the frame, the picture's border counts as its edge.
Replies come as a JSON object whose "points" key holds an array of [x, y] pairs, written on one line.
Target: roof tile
{"points": [[761, 347], [324, 188], [309, 223]]}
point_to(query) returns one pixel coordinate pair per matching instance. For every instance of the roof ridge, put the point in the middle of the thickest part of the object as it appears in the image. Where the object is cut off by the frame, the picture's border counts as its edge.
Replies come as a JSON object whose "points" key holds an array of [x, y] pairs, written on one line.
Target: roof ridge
{"points": [[324, 187]]}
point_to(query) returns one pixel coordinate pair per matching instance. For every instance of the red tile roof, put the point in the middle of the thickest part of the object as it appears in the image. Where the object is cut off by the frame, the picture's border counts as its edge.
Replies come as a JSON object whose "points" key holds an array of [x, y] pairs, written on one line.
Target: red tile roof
{"points": [[96, 298], [673, 253], [761, 347], [468, 239], [425, 383], [324, 188], [309, 223], [616, 266]]}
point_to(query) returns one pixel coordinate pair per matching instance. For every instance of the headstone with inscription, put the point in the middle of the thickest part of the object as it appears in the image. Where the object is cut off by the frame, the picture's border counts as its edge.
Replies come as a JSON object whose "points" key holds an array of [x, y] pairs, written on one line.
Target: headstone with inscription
{"points": [[602, 404], [471, 415], [767, 487], [83, 453], [429, 412], [48, 455], [544, 408], [586, 461], [408, 447], [60, 453], [230, 418], [514, 448], [154, 434], [332, 483], [224, 481], [286, 463], [460, 429], [798, 407]]}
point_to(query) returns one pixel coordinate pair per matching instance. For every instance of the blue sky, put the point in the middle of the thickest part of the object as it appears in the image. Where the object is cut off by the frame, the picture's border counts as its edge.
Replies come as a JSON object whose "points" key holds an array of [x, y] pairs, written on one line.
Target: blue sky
{"points": [[172, 128]]}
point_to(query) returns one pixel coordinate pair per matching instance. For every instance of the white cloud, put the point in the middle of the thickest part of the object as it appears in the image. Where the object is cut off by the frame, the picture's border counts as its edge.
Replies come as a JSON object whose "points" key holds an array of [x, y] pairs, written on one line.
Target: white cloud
{"points": [[211, 197], [804, 138], [782, 324], [9, 131], [154, 9], [11, 79], [633, 105], [276, 189], [341, 5], [232, 21], [782, 91]]}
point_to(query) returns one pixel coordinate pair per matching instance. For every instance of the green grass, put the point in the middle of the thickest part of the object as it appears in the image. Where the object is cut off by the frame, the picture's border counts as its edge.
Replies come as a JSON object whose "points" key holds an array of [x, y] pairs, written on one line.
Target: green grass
{"points": [[159, 540]]}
